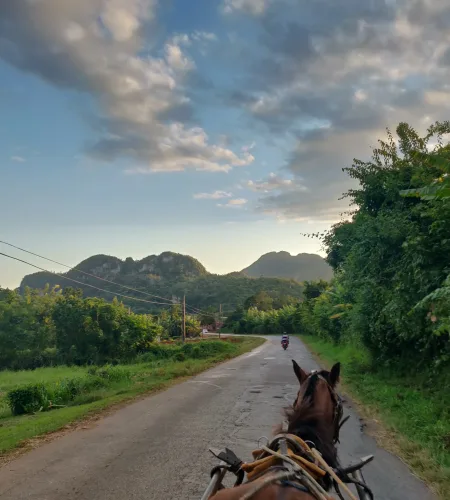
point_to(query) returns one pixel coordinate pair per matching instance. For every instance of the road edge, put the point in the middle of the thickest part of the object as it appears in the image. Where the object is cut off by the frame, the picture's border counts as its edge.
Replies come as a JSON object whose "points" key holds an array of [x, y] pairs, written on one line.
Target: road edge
{"points": [[93, 416], [374, 426]]}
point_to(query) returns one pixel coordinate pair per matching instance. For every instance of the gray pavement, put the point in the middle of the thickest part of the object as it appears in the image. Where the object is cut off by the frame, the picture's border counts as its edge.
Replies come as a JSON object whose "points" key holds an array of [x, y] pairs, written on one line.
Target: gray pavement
{"points": [[157, 448]]}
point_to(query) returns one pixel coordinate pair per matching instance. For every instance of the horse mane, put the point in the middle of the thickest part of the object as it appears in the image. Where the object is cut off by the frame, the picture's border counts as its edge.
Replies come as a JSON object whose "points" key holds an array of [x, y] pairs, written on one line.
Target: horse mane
{"points": [[309, 424]]}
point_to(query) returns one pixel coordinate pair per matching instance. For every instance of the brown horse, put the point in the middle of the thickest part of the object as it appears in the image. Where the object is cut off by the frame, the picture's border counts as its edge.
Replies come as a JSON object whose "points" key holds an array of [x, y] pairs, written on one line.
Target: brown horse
{"points": [[314, 418]]}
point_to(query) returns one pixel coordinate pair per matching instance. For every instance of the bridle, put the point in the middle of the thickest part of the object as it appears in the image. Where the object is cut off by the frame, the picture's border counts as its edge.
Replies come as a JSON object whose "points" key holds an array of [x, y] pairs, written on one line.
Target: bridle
{"points": [[337, 403]]}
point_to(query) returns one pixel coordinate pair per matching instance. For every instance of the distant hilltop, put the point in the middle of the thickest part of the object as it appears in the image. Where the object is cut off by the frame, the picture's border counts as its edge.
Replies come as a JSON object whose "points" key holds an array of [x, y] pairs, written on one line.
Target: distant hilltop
{"points": [[301, 267], [168, 265]]}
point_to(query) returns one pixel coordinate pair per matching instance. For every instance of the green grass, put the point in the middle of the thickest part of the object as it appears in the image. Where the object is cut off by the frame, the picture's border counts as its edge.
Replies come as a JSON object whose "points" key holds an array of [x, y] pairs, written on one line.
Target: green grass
{"points": [[142, 378], [415, 410], [10, 380]]}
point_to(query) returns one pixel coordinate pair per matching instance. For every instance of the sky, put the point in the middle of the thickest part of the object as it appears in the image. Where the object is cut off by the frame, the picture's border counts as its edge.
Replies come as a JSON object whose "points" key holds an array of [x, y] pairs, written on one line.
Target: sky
{"points": [[216, 128]]}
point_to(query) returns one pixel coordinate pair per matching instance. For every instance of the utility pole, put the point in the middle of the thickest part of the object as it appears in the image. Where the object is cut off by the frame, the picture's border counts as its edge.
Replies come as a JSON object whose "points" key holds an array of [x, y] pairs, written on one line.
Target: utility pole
{"points": [[220, 316], [183, 325]]}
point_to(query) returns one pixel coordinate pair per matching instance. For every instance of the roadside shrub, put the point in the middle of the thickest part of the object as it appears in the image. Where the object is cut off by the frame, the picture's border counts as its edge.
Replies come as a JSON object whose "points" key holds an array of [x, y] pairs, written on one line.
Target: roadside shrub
{"points": [[28, 399], [206, 349], [180, 356], [38, 397], [154, 352], [111, 373], [66, 390]]}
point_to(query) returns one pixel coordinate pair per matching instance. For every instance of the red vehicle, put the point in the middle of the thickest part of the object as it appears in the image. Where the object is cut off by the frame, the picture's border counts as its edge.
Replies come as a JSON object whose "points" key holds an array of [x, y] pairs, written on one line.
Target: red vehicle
{"points": [[285, 341]]}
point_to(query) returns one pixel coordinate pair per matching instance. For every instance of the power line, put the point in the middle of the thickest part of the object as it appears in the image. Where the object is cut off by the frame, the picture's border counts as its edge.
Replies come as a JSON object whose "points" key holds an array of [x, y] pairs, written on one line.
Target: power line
{"points": [[80, 282], [211, 313], [169, 301], [199, 311], [194, 309], [86, 273]]}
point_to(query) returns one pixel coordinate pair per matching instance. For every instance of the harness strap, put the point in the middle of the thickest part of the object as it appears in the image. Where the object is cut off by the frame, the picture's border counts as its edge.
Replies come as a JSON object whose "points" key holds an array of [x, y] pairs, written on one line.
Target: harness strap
{"points": [[296, 473], [254, 469], [293, 446], [290, 484]]}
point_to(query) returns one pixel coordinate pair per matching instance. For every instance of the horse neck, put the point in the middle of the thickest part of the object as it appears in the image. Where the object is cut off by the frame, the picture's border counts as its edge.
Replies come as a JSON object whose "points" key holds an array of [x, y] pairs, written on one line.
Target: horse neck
{"points": [[310, 426]]}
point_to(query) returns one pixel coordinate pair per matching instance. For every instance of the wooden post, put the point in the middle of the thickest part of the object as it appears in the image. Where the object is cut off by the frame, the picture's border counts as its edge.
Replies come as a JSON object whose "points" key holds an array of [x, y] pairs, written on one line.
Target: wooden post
{"points": [[183, 325], [220, 315]]}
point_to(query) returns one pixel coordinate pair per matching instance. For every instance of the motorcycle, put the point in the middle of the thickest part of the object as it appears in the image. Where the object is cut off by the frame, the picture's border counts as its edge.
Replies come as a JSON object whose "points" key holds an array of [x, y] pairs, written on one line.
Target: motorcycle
{"points": [[284, 344]]}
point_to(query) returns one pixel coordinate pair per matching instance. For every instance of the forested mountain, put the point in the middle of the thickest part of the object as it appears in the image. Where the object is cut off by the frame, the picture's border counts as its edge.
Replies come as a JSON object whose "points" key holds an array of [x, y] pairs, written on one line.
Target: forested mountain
{"points": [[301, 267], [169, 275]]}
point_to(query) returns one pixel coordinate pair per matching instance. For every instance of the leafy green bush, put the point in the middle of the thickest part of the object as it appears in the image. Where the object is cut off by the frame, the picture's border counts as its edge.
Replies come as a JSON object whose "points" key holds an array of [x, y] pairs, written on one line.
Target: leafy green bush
{"points": [[111, 373], [180, 356], [206, 349], [28, 399], [40, 397]]}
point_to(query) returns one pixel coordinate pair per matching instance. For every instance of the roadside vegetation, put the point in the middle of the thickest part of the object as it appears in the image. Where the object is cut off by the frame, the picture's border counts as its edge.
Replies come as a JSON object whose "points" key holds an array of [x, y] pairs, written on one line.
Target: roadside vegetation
{"points": [[63, 357], [35, 402], [414, 414], [52, 327], [386, 313]]}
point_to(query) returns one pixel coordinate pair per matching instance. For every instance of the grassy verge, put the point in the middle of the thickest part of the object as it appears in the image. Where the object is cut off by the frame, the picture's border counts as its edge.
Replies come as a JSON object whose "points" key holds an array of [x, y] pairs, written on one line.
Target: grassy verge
{"points": [[141, 378], [414, 411]]}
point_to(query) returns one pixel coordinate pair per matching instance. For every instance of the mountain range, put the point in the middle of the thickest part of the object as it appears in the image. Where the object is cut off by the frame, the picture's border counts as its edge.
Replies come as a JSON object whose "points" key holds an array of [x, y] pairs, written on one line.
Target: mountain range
{"points": [[173, 275]]}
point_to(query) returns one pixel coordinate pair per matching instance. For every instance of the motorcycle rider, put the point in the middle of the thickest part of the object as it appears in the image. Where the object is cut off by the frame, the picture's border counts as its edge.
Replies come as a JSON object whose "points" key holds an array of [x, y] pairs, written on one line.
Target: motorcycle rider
{"points": [[285, 339]]}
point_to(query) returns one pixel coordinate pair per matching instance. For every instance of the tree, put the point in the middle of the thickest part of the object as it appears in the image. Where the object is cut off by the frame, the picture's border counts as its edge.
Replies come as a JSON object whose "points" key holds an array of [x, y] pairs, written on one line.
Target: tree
{"points": [[208, 318], [262, 301], [393, 252], [313, 289]]}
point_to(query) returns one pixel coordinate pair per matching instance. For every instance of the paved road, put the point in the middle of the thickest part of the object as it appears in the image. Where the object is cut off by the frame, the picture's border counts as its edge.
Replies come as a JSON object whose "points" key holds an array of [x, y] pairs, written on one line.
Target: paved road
{"points": [[156, 449]]}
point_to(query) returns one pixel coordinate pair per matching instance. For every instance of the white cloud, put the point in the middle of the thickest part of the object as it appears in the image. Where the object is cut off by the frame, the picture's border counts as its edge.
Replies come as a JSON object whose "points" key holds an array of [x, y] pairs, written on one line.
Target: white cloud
{"points": [[100, 47], [216, 195], [177, 60], [183, 148], [19, 159], [204, 36], [272, 183], [234, 203], [254, 7], [199, 37], [122, 17], [360, 95], [74, 32]]}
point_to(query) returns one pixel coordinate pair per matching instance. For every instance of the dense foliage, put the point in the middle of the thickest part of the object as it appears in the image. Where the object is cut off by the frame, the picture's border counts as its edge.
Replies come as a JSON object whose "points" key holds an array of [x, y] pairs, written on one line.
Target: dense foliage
{"points": [[54, 326], [391, 290], [393, 255]]}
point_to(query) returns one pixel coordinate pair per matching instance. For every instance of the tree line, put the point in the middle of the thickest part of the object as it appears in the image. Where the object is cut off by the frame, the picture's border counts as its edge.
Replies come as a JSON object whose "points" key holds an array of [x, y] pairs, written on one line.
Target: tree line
{"points": [[391, 260], [53, 326]]}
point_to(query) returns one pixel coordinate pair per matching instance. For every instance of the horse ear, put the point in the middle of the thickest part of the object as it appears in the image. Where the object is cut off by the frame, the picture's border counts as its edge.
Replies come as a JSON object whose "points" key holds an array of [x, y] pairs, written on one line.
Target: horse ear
{"points": [[301, 374], [335, 374]]}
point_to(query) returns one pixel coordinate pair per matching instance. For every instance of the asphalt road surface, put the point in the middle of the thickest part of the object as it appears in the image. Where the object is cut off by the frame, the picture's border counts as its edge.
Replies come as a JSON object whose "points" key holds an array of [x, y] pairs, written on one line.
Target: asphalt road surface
{"points": [[157, 448]]}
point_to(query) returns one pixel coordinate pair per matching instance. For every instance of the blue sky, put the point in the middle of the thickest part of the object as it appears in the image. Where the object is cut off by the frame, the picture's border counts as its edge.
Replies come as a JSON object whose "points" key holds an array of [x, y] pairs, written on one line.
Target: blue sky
{"points": [[217, 128]]}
